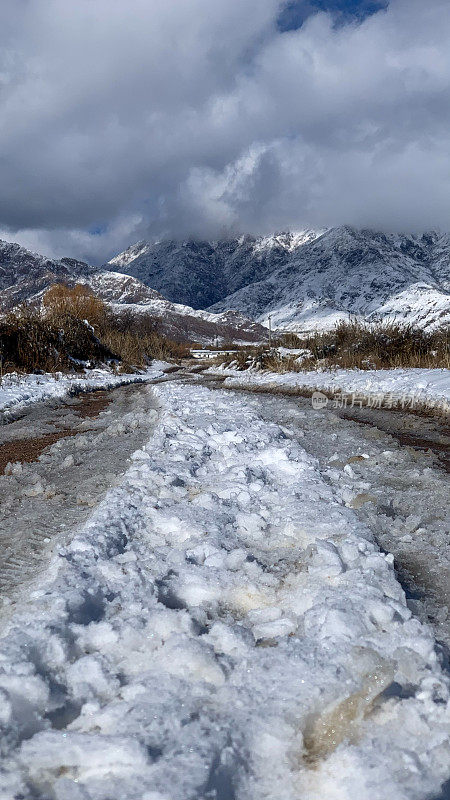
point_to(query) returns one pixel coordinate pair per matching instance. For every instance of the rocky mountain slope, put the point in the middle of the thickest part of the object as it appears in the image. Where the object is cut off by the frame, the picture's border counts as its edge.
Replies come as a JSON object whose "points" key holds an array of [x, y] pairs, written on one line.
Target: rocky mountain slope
{"points": [[179, 322], [203, 273], [305, 280], [345, 273], [24, 276], [185, 324]]}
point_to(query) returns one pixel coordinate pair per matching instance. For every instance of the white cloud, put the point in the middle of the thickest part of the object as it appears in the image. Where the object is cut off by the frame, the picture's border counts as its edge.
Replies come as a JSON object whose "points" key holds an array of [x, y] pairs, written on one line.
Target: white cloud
{"points": [[142, 117]]}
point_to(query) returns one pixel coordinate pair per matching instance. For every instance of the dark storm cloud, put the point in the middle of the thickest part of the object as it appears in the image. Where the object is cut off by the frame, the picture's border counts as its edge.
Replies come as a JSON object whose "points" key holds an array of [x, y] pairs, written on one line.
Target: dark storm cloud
{"points": [[121, 119]]}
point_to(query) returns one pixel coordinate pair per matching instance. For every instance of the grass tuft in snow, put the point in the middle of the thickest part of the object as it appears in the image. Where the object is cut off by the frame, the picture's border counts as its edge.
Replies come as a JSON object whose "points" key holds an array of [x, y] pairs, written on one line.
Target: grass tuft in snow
{"points": [[350, 345]]}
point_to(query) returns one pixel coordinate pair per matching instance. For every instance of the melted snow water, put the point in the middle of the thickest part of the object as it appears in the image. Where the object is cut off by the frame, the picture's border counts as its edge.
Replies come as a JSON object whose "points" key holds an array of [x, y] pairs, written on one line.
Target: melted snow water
{"points": [[60, 458], [19, 443], [418, 431]]}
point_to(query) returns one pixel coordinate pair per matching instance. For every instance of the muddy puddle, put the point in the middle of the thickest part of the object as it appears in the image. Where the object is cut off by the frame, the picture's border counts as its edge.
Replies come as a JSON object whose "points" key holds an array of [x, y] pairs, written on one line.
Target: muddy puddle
{"points": [[28, 449], [419, 431]]}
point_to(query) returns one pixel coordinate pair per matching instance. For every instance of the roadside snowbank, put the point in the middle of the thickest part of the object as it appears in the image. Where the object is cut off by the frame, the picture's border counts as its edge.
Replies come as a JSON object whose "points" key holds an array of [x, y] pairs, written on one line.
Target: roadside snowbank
{"points": [[18, 391], [415, 387], [221, 627]]}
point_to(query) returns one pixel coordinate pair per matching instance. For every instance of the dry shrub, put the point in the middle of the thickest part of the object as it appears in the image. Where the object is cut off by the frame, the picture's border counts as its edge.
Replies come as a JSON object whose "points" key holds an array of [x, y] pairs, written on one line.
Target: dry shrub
{"points": [[32, 342], [259, 358], [136, 339], [351, 345], [289, 339], [362, 345], [131, 336], [137, 351], [79, 302], [75, 329]]}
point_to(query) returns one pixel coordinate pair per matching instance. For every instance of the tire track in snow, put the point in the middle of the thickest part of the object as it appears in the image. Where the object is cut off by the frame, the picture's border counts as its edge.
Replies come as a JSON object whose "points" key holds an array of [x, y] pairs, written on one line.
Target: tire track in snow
{"points": [[400, 492], [42, 500]]}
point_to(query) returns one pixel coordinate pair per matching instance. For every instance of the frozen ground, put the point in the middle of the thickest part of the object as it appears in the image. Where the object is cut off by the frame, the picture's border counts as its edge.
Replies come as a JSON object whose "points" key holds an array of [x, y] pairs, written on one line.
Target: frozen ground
{"points": [[425, 387], [223, 626], [41, 502], [19, 391]]}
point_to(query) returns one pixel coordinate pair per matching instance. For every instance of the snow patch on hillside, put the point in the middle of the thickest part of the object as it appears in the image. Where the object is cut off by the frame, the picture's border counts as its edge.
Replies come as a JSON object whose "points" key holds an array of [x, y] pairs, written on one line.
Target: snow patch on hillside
{"points": [[345, 273], [135, 251], [186, 324]]}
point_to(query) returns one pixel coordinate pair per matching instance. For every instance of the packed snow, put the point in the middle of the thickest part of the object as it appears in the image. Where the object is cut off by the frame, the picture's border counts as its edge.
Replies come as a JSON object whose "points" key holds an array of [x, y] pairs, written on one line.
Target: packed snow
{"points": [[223, 626], [18, 391], [415, 387], [400, 492]]}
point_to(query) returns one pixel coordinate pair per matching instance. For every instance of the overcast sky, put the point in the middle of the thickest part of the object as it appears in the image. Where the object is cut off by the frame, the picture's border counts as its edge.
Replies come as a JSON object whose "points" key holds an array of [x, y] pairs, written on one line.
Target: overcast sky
{"points": [[129, 119]]}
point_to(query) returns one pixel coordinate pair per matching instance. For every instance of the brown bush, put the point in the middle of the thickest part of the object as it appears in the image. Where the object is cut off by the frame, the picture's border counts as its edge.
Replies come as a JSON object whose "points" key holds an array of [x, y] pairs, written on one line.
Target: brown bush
{"points": [[32, 342], [74, 329], [136, 339], [288, 340], [259, 358], [133, 337], [377, 346], [352, 345], [79, 302]]}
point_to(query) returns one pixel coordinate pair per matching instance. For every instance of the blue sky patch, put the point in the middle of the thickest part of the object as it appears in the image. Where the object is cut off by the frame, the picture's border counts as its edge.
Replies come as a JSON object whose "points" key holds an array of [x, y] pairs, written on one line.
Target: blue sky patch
{"points": [[295, 12]]}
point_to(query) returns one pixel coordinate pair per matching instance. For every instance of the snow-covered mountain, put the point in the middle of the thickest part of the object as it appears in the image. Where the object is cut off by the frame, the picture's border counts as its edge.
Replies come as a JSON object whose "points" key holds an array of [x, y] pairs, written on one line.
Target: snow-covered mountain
{"points": [[203, 273], [24, 276], [345, 273], [185, 324], [305, 280], [119, 289], [179, 322]]}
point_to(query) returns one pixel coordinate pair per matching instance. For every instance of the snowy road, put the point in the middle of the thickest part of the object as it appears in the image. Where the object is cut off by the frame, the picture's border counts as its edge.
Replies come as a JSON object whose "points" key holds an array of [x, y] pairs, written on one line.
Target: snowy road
{"points": [[42, 501], [400, 492], [224, 626]]}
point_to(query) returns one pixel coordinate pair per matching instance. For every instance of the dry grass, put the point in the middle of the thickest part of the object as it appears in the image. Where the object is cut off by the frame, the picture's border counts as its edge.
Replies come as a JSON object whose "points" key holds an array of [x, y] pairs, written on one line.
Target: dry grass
{"points": [[259, 358], [378, 346], [61, 302], [73, 329], [31, 342], [137, 340], [351, 345]]}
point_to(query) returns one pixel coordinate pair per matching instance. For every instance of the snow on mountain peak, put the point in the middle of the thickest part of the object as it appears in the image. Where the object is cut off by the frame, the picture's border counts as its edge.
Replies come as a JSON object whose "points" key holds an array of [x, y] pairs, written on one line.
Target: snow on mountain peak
{"points": [[130, 254], [304, 279]]}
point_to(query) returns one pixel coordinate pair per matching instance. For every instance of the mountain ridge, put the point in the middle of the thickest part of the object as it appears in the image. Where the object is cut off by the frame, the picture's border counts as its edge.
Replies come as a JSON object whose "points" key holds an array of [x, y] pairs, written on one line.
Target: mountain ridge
{"points": [[304, 280], [25, 276], [201, 273]]}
